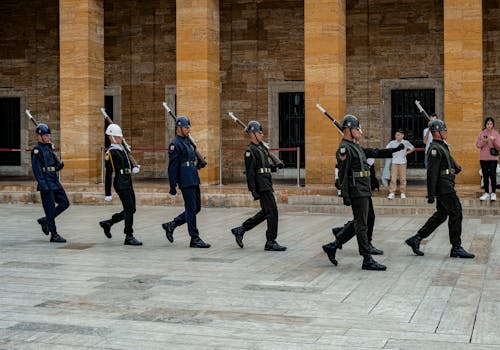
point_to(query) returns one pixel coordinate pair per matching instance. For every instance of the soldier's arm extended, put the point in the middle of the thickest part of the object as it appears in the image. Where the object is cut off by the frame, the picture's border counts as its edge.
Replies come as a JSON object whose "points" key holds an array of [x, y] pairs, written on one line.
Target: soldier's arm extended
{"points": [[37, 165], [109, 173], [433, 169], [344, 164], [382, 152], [173, 167], [250, 166]]}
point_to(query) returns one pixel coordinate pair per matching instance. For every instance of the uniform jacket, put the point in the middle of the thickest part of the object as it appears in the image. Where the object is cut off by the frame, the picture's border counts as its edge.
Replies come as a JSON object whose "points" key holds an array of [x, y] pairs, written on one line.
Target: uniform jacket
{"points": [[182, 164], [258, 169], [441, 170], [354, 171], [45, 165], [117, 161]]}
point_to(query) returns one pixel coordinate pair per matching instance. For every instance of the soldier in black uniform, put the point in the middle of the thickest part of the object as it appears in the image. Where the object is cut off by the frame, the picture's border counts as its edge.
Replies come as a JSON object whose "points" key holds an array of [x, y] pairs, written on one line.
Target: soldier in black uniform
{"points": [[45, 166], [183, 171], [259, 181], [354, 180], [117, 161], [441, 172]]}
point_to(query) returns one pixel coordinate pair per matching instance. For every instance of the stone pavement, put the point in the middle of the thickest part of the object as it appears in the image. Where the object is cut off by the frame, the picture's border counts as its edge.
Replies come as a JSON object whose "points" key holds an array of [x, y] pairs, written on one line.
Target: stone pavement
{"points": [[95, 293]]}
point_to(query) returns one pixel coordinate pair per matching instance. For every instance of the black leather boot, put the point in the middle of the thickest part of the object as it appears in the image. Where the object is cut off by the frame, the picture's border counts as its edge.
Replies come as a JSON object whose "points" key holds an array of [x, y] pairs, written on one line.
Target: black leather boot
{"points": [[169, 228], [43, 224], [198, 243], [375, 251], [331, 249], [370, 264], [130, 240], [55, 238], [274, 246], [106, 226], [414, 243], [459, 252], [238, 233]]}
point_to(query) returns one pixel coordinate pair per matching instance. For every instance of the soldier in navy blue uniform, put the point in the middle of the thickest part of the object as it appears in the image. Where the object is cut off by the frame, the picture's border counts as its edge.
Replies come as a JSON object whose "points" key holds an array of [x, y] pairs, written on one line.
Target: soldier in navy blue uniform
{"points": [[354, 181], [441, 172], [260, 184], [183, 172], [118, 162], [45, 167]]}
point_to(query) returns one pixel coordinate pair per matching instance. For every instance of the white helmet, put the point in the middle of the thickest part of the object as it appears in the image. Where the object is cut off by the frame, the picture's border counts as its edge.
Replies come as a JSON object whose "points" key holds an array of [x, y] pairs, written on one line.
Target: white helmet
{"points": [[114, 130]]}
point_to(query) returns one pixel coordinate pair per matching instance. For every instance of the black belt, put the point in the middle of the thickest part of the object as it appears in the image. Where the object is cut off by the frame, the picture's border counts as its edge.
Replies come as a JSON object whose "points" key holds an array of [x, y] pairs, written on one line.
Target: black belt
{"points": [[263, 170], [447, 171], [49, 168], [125, 171], [361, 173], [189, 163]]}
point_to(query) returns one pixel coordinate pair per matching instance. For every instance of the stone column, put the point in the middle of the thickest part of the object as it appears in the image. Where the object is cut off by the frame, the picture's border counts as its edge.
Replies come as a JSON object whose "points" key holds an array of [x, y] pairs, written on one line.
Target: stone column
{"points": [[198, 77], [463, 82], [81, 63], [325, 83]]}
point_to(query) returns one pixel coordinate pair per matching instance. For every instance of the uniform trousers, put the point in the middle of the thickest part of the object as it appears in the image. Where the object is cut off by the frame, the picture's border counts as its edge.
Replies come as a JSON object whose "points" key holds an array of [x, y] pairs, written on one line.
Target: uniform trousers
{"points": [[347, 232], [127, 197], [360, 209], [192, 206], [49, 200], [269, 212], [446, 206]]}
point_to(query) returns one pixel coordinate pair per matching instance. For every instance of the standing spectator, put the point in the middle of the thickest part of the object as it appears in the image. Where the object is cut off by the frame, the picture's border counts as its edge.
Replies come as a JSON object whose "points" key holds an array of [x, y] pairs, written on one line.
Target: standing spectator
{"points": [[428, 138], [488, 142], [398, 167]]}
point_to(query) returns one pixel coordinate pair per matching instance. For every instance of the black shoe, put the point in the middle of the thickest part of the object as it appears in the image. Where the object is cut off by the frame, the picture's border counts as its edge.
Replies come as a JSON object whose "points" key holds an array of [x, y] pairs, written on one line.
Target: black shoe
{"points": [[106, 226], [370, 264], [274, 246], [375, 251], [55, 238], [238, 233], [414, 243], [169, 228], [330, 249], [459, 252], [43, 224], [198, 243], [130, 240]]}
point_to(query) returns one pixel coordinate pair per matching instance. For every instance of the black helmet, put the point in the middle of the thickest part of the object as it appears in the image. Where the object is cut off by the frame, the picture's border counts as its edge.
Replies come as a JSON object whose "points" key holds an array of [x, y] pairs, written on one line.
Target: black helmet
{"points": [[350, 122], [42, 129], [437, 125], [182, 121], [253, 126]]}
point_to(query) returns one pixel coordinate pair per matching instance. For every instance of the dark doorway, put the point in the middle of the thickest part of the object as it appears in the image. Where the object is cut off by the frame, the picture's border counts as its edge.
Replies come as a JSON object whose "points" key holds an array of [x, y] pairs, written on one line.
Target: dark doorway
{"points": [[405, 115], [292, 124], [108, 106], [10, 124]]}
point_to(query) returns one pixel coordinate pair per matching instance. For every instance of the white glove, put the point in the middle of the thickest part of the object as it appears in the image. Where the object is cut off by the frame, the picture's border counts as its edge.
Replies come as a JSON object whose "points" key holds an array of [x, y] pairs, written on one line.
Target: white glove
{"points": [[108, 198], [136, 169]]}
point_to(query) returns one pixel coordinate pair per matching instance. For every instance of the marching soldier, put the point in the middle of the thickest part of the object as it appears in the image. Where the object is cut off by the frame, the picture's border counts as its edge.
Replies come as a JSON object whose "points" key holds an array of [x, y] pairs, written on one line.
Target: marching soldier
{"points": [[259, 181], [117, 161], [441, 172], [45, 167], [183, 171], [354, 180]]}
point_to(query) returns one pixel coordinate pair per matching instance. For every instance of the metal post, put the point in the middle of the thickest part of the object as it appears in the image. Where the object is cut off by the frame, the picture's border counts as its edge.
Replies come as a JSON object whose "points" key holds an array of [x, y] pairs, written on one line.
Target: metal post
{"points": [[298, 166], [220, 164]]}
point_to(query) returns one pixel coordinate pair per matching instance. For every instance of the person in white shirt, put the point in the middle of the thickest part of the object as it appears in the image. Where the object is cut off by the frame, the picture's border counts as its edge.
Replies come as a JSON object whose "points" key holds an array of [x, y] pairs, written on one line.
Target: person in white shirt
{"points": [[398, 166], [428, 138]]}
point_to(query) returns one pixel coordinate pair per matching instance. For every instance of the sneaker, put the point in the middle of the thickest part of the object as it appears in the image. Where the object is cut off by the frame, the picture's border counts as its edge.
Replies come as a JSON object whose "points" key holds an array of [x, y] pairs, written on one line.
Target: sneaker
{"points": [[403, 196], [493, 197], [390, 196], [485, 197]]}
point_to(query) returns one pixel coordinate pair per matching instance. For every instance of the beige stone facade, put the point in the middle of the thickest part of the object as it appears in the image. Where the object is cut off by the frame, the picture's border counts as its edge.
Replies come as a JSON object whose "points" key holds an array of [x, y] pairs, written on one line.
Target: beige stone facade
{"points": [[207, 58]]}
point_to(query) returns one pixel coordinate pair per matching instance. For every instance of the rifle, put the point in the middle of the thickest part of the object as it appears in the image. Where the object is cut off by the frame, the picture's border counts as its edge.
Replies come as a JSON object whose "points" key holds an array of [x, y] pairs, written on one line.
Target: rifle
{"points": [[332, 119], [125, 145], [422, 110], [33, 120], [200, 159], [276, 161]]}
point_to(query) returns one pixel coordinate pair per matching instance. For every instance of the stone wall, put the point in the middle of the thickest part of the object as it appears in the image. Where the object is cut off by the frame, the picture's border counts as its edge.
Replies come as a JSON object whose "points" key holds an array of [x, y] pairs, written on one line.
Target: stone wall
{"points": [[261, 42], [491, 57], [139, 55]]}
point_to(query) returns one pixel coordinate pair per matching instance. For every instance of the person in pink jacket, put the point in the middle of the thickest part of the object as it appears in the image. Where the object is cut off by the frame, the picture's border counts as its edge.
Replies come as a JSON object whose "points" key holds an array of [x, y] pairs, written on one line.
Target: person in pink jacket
{"points": [[488, 142]]}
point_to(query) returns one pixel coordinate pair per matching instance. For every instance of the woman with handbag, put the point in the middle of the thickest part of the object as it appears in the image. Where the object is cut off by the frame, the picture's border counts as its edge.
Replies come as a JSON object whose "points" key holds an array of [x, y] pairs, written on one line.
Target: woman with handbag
{"points": [[488, 142]]}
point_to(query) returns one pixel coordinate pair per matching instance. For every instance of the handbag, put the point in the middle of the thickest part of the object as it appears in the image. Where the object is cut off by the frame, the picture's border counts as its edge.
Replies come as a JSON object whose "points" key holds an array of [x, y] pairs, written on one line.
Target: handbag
{"points": [[493, 151]]}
